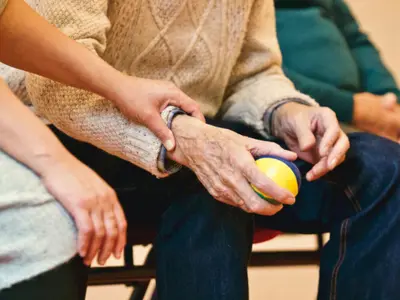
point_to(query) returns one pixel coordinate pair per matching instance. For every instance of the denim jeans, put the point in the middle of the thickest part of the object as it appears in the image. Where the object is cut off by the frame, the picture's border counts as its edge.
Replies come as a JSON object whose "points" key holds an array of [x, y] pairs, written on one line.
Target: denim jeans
{"points": [[203, 246]]}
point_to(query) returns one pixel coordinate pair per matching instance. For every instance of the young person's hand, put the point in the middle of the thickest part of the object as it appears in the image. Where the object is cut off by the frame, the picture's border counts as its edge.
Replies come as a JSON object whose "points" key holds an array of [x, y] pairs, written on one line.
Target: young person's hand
{"points": [[142, 101], [93, 205]]}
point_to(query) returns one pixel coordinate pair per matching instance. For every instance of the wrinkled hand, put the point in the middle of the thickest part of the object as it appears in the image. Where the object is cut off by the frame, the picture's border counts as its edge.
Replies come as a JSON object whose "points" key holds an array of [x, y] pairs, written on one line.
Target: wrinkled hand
{"points": [[314, 134], [379, 115], [142, 100], [93, 205], [223, 162]]}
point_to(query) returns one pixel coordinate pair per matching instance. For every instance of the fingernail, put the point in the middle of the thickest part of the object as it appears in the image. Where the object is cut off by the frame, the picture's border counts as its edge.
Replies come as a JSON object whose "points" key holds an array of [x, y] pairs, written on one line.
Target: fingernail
{"points": [[169, 145], [309, 176], [290, 200], [333, 163]]}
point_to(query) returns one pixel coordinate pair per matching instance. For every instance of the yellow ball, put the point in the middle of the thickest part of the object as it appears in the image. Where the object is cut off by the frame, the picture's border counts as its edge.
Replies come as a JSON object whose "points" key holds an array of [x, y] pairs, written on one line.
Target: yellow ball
{"points": [[284, 173]]}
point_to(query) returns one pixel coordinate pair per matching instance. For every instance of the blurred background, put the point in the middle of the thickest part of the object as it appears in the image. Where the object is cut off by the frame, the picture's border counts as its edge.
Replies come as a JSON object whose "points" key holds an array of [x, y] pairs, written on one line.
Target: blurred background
{"points": [[379, 18]]}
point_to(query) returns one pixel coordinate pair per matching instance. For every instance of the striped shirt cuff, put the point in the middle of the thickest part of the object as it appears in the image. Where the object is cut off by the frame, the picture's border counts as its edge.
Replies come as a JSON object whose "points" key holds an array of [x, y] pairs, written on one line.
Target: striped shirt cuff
{"points": [[164, 164]]}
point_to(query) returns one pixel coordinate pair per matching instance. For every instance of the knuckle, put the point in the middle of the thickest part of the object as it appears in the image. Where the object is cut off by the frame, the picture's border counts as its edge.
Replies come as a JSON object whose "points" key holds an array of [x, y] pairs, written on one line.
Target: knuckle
{"points": [[85, 201], [111, 193], [328, 112], [147, 116], [213, 193], [123, 225], [220, 193], [100, 232], [102, 195], [112, 232], [251, 171], [220, 189], [233, 180], [87, 229], [254, 206]]}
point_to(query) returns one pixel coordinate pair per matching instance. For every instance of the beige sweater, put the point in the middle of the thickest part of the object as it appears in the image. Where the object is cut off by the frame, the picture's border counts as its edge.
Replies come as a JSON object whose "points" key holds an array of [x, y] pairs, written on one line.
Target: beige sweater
{"points": [[224, 54]]}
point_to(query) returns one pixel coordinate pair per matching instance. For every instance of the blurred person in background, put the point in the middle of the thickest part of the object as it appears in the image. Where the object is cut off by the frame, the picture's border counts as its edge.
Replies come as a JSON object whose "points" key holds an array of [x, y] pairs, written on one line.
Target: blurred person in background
{"points": [[326, 55]]}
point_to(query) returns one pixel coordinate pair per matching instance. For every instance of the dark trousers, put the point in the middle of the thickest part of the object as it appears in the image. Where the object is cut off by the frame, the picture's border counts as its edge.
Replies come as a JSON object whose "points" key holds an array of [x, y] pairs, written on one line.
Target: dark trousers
{"points": [[67, 282], [203, 246]]}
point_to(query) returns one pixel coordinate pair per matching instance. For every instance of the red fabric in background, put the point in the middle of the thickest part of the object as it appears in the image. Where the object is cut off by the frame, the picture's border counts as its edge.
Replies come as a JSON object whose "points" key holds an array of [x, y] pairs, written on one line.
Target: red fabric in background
{"points": [[263, 235]]}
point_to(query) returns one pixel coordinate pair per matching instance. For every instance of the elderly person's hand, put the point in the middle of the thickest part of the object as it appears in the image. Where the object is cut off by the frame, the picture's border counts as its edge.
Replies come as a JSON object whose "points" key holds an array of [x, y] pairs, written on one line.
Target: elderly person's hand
{"points": [[314, 134], [223, 162]]}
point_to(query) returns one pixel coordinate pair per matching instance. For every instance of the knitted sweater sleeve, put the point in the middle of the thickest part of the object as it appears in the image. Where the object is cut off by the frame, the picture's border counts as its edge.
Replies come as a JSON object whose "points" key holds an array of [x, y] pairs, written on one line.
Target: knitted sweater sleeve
{"points": [[3, 4], [258, 84], [84, 115]]}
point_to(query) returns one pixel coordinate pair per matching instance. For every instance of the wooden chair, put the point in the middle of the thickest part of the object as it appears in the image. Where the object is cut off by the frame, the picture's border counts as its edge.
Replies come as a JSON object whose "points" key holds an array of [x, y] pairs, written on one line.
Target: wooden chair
{"points": [[139, 277]]}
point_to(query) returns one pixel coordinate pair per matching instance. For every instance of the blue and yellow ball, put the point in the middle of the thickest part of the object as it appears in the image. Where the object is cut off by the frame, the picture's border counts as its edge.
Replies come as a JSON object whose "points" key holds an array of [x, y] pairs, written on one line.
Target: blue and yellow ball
{"points": [[283, 172]]}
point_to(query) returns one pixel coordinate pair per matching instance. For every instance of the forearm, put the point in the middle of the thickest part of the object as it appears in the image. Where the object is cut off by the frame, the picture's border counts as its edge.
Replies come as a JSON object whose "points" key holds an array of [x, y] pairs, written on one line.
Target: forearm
{"points": [[24, 137], [88, 117], [29, 42]]}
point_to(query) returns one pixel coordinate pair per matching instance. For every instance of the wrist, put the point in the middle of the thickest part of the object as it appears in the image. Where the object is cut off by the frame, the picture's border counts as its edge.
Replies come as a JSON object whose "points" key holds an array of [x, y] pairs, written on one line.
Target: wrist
{"points": [[187, 130], [360, 103], [280, 114], [116, 87], [46, 162]]}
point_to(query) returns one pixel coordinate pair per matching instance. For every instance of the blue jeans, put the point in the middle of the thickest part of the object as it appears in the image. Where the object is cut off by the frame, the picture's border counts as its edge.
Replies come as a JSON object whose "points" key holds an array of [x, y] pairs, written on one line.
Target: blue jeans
{"points": [[203, 246]]}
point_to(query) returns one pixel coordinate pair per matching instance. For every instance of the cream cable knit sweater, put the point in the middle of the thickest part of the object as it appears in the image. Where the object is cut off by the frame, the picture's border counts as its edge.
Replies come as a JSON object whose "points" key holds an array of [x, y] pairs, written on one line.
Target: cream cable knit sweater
{"points": [[224, 54]]}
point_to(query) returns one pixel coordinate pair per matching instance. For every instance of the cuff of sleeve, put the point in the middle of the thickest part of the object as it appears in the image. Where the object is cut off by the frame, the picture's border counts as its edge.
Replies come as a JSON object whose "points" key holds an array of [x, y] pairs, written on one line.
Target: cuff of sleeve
{"points": [[165, 165], [269, 113]]}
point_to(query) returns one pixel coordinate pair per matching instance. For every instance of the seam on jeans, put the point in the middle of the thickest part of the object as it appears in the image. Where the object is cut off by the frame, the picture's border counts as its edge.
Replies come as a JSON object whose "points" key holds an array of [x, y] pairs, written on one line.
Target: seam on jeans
{"points": [[354, 201], [342, 253]]}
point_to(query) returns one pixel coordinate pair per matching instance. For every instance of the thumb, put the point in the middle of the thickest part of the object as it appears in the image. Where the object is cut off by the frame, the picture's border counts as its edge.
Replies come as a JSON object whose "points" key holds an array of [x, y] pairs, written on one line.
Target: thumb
{"points": [[161, 130], [305, 137], [389, 101]]}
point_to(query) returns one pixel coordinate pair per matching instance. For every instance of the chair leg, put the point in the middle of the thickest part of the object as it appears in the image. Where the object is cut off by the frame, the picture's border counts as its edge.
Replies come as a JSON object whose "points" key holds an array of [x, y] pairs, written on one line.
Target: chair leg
{"points": [[154, 296], [141, 288], [320, 240]]}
